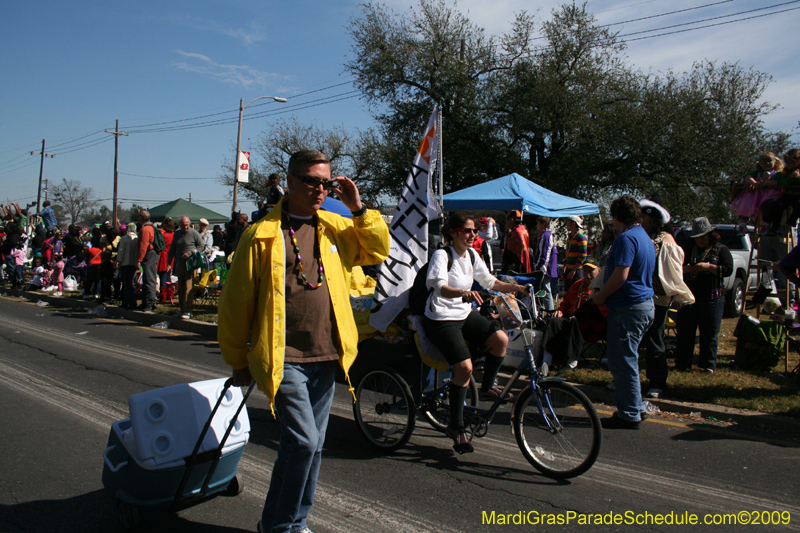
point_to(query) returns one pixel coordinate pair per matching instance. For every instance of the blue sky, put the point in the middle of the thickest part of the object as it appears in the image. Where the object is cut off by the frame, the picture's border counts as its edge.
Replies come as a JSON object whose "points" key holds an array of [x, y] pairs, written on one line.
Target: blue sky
{"points": [[70, 69]]}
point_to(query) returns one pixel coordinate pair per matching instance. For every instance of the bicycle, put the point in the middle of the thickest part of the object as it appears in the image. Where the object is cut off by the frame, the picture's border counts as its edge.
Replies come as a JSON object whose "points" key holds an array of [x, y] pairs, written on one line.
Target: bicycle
{"points": [[556, 426]]}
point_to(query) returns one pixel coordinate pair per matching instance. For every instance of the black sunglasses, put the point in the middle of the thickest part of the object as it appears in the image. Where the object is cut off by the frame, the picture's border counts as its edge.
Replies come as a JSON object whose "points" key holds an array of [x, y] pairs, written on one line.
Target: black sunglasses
{"points": [[315, 182]]}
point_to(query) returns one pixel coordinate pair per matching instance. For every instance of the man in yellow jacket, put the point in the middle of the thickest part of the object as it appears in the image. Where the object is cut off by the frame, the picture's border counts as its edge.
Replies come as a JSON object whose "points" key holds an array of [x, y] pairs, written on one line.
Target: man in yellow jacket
{"points": [[288, 294]]}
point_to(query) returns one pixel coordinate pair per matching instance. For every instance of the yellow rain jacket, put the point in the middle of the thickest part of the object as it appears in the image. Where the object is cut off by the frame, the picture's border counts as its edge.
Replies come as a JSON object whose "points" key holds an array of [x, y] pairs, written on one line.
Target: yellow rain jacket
{"points": [[252, 304]]}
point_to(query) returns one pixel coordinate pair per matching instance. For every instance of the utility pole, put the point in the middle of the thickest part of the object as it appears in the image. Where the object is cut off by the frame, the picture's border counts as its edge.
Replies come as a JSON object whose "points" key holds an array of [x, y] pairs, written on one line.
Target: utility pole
{"points": [[116, 133], [46, 188], [41, 169]]}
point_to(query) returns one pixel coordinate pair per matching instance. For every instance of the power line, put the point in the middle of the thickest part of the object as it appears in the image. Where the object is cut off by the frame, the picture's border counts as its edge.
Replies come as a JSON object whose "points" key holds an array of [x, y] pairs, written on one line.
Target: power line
{"points": [[10, 160], [297, 107], [21, 166], [283, 109], [57, 145], [235, 110], [622, 40], [94, 143], [27, 148], [669, 13], [90, 143], [162, 177], [711, 25], [717, 18], [21, 199], [537, 49]]}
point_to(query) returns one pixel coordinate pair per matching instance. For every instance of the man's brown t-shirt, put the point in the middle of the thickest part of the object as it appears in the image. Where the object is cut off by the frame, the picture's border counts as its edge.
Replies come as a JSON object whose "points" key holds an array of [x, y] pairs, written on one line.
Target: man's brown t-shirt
{"points": [[310, 333]]}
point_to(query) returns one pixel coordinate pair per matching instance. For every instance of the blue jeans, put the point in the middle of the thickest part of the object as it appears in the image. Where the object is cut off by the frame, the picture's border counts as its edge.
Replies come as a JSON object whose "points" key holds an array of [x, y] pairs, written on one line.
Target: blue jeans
{"points": [[553, 289], [14, 271], [302, 404], [547, 285], [626, 328]]}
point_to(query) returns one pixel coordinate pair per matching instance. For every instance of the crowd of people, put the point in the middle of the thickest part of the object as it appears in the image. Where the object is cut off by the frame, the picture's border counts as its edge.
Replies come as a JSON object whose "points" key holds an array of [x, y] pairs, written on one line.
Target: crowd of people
{"points": [[641, 273], [138, 264]]}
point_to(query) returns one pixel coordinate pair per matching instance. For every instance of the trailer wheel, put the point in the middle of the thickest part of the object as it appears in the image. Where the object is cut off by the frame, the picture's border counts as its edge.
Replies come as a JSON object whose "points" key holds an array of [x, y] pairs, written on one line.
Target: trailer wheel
{"points": [[128, 516], [235, 487]]}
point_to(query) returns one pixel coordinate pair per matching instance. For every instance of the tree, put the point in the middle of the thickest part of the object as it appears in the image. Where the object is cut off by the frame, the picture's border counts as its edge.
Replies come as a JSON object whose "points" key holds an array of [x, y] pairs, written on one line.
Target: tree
{"points": [[566, 104], [101, 213], [74, 198], [276, 145], [568, 112], [433, 54], [97, 215]]}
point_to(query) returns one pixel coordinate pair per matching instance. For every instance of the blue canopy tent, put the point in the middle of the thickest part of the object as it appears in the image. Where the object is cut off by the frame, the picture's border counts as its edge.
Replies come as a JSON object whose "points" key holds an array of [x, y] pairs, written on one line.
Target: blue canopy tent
{"points": [[515, 192], [336, 206]]}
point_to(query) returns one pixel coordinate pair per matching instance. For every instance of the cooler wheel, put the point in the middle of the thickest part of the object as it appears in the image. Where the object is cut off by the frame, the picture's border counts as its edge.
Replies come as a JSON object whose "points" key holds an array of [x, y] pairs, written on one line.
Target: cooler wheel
{"points": [[128, 516], [235, 487]]}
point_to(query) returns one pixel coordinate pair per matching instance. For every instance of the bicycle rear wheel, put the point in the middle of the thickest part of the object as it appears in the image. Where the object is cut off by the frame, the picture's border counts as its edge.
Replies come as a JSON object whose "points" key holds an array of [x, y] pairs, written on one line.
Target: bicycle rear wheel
{"points": [[384, 409], [438, 409], [570, 444]]}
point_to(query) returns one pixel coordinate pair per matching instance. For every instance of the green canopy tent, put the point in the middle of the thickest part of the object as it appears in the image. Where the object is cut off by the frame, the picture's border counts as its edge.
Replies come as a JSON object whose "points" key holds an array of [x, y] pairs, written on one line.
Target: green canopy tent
{"points": [[177, 208]]}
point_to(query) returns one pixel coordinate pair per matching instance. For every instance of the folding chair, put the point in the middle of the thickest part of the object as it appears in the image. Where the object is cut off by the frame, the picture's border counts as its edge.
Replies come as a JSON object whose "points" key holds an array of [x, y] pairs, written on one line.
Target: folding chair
{"points": [[207, 295]]}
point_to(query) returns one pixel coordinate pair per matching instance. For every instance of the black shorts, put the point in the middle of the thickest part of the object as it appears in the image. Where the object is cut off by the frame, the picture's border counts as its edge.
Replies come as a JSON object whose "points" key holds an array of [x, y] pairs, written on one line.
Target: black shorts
{"points": [[449, 335]]}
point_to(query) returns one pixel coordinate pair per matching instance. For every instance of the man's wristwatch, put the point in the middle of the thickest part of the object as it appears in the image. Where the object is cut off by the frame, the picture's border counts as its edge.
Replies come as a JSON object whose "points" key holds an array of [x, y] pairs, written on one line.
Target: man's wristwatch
{"points": [[360, 212]]}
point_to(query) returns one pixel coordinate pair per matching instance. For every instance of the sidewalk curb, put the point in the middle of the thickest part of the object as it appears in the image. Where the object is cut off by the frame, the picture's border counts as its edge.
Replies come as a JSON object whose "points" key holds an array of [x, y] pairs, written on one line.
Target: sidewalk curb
{"points": [[205, 329], [726, 414], [596, 394]]}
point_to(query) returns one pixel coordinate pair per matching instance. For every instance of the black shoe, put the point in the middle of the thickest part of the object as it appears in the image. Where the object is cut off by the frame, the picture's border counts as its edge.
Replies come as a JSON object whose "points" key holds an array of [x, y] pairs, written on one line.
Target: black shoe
{"points": [[461, 442], [615, 422]]}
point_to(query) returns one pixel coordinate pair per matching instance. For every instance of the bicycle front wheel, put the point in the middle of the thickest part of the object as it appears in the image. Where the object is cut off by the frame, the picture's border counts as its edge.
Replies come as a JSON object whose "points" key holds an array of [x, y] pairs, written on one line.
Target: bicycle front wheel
{"points": [[384, 409], [562, 438], [438, 410]]}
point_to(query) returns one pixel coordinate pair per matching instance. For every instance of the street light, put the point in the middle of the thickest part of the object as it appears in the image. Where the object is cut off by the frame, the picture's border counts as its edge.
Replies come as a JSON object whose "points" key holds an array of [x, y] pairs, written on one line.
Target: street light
{"points": [[242, 107]]}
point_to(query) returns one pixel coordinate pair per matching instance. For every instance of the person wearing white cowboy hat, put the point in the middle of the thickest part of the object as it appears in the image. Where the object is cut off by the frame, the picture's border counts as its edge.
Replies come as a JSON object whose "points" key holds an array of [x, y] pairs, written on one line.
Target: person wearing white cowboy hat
{"points": [[669, 288], [708, 263], [576, 251]]}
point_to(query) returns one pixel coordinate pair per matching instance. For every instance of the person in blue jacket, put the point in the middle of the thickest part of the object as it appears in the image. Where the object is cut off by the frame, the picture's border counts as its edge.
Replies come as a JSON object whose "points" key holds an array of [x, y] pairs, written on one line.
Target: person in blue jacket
{"points": [[48, 216]]}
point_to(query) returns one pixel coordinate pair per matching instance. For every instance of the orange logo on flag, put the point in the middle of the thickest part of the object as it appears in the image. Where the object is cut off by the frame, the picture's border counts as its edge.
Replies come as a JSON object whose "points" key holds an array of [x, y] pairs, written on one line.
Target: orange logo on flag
{"points": [[425, 145]]}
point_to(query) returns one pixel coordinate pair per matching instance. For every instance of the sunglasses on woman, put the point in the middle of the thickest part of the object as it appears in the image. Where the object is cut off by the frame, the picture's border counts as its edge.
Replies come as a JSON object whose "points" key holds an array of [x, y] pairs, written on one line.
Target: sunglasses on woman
{"points": [[467, 231], [315, 182]]}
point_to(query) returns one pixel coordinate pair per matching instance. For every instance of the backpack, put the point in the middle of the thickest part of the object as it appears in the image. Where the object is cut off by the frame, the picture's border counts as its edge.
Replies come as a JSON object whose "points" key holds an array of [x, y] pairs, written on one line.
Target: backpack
{"points": [[419, 293], [159, 244]]}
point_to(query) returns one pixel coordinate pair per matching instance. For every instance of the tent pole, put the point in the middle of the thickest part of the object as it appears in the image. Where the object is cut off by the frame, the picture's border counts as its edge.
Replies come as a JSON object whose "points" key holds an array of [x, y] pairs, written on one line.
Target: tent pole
{"points": [[601, 221]]}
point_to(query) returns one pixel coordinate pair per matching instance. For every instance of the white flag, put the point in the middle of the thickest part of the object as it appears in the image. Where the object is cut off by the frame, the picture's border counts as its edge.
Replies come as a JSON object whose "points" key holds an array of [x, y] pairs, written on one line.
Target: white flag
{"points": [[409, 232]]}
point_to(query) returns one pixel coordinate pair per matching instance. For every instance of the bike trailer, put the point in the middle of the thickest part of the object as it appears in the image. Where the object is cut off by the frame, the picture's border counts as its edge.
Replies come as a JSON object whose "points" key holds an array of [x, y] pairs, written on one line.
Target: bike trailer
{"points": [[142, 485]]}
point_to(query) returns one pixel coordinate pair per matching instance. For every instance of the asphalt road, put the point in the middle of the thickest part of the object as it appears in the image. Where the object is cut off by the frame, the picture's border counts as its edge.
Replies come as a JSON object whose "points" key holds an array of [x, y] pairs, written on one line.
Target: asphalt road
{"points": [[65, 377]]}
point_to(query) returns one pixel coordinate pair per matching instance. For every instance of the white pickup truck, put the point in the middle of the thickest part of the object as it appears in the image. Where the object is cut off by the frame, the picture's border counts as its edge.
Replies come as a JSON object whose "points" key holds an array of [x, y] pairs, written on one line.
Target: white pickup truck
{"points": [[735, 284]]}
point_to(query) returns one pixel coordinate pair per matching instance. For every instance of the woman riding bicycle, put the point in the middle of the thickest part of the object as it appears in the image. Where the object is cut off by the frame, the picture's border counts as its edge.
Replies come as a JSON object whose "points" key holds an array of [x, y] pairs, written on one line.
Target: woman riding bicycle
{"points": [[449, 319]]}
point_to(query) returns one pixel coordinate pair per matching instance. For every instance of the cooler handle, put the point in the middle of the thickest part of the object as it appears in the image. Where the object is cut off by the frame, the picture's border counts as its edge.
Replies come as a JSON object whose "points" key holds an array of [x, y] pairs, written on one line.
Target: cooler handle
{"points": [[108, 461]]}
